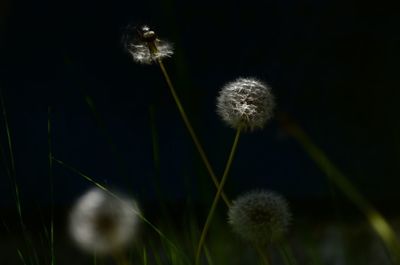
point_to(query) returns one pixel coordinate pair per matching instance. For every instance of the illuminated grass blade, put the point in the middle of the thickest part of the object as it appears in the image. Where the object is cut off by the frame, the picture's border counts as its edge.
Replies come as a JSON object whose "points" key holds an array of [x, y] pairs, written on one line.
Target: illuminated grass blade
{"points": [[104, 188], [375, 219]]}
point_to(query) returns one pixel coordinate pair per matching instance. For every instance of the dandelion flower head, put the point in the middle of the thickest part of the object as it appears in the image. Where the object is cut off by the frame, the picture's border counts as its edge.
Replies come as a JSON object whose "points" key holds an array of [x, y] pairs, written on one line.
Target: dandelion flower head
{"points": [[102, 223], [145, 47], [246, 103], [260, 217]]}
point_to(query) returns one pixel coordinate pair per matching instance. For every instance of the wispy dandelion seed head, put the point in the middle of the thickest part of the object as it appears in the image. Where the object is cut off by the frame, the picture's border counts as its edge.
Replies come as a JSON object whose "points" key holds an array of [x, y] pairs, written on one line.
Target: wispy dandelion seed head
{"points": [[260, 217], [103, 224], [245, 102], [145, 47]]}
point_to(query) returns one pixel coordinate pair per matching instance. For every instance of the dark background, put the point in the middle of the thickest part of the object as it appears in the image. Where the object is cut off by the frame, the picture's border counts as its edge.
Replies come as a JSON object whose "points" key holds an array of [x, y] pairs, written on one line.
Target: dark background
{"points": [[332, 65]]}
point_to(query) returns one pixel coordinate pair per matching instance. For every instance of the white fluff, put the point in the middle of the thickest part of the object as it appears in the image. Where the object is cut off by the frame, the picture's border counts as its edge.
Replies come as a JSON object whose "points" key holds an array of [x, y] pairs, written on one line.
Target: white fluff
{"points": [[102, 223], [246, 103]]}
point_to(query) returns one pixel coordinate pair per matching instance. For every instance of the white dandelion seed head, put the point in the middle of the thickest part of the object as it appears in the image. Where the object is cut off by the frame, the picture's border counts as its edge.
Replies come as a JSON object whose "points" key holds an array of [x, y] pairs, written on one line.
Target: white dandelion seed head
{"points": [[138, 43], [245, 102], [260, 217], [102, 223]]}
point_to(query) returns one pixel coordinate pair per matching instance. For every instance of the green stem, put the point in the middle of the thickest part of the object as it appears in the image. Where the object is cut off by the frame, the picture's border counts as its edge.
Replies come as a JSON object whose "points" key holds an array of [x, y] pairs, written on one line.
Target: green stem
{"points": [[191, 130], [217, 196]]}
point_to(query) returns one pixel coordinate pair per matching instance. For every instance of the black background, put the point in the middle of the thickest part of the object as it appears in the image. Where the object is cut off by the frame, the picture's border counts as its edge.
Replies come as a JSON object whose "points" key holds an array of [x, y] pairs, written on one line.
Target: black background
{"points": [[332, 65]]}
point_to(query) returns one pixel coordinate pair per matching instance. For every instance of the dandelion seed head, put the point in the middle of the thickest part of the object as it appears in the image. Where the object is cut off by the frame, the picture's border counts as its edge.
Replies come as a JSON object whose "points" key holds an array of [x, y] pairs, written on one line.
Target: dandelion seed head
{"points": [[260, 217], [144, 45], [245, 102], [102, 223]]}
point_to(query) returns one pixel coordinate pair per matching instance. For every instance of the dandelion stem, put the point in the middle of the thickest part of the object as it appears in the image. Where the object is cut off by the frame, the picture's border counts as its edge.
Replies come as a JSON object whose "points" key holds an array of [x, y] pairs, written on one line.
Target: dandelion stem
{"points": [[191, 130], [217, 196]]}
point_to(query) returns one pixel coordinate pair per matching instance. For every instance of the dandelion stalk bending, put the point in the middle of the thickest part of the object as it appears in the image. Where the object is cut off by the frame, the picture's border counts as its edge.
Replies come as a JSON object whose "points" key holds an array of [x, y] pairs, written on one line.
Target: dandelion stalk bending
{"points": [[149, 49]]}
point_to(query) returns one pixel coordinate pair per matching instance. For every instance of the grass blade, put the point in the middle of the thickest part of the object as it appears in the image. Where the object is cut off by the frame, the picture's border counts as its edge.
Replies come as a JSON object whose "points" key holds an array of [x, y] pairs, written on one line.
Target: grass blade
{"points": [[375, 219]]}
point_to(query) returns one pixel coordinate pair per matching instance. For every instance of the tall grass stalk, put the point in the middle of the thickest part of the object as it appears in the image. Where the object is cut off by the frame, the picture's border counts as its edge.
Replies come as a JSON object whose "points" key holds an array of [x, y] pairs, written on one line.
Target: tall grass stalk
{"points": [[217, 196], [375, 219]]}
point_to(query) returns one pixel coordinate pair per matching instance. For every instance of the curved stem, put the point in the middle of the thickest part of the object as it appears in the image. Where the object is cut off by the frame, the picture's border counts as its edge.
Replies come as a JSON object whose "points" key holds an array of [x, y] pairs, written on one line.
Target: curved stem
{"points": [[191, 130], [217, 196]]}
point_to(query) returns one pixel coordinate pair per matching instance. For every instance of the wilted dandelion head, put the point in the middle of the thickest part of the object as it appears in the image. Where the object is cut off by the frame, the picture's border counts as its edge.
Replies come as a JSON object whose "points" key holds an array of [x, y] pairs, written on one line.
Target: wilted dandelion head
{"points": [[246, 103], [102, 223], [144, 45], [260, 217]]}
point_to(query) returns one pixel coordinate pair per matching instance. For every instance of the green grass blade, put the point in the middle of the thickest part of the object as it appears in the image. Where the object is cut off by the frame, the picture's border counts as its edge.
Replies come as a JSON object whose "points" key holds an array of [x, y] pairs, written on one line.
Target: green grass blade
{"points": [[21, 257], [376, 220], [104, 188], [145, 262]]}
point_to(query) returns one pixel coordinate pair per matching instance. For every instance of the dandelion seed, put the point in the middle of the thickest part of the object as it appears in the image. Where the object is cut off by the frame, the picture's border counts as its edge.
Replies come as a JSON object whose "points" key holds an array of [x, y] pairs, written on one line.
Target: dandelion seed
{"points": [[245, 102], [145, 47], [260, 217], [103, 224]]}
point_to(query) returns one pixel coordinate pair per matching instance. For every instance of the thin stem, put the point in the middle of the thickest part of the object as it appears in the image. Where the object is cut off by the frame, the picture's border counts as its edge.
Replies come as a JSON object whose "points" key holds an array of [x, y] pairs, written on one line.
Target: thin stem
{"points": [[191, 130], [217, 196]]}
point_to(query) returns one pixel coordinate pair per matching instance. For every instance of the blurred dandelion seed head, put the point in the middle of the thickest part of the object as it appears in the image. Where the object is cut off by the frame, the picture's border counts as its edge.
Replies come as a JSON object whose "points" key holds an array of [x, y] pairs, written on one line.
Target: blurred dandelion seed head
{"points": [[245, 102], [102, 223], [144, 45], [260, 217]]}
